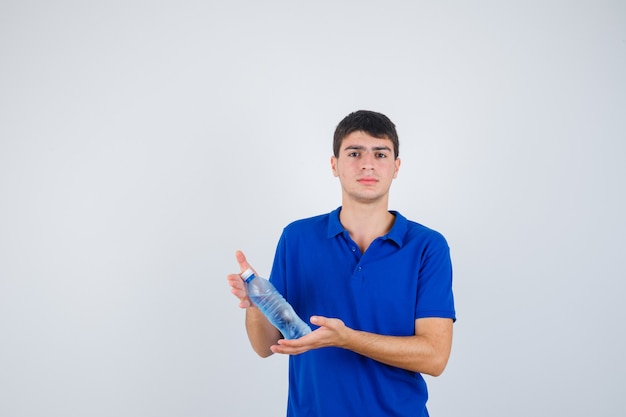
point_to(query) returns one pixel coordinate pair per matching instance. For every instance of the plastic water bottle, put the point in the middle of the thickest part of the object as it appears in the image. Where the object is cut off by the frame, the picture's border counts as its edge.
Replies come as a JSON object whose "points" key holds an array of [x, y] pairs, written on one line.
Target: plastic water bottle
{"points": [[272, 304]]}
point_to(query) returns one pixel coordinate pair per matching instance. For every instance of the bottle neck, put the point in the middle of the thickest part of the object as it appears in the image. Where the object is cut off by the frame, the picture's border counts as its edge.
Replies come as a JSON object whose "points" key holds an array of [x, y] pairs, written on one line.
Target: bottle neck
{"points": [[247, 275]]}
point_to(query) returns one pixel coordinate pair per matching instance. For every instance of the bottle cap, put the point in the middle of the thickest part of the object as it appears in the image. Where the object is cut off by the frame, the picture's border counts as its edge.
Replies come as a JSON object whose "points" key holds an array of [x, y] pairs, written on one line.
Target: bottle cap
{"points": [[247, 273]]}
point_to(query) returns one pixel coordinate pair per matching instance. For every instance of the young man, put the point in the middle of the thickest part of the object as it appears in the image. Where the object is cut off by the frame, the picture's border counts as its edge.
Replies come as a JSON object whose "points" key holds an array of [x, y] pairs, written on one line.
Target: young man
{"points": [[376, 287]]}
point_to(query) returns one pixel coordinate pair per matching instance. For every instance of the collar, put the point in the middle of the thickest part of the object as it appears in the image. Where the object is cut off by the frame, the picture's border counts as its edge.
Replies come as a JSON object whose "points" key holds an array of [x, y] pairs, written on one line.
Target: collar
{"points": [[396, 234]]}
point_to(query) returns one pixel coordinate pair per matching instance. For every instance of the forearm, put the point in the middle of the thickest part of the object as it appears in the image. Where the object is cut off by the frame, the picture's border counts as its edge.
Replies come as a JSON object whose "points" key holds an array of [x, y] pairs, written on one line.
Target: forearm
{"points": [[413, 353], [425, 352], [261, 333]]}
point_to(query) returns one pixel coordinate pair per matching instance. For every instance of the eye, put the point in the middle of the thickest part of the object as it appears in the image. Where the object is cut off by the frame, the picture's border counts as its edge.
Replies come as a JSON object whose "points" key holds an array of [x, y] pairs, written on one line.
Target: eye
{"points": [[353, 154], [381, 155]]}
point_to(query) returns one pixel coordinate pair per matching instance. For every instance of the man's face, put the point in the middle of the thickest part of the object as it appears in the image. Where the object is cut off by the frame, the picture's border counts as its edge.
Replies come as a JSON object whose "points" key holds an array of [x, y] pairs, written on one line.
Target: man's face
{"points": [[365, 167]]}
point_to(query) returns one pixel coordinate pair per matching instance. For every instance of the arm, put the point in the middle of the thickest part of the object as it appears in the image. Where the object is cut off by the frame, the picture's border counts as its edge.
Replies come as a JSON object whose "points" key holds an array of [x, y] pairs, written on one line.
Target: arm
{"points": [[426, 352], [261, 332]]}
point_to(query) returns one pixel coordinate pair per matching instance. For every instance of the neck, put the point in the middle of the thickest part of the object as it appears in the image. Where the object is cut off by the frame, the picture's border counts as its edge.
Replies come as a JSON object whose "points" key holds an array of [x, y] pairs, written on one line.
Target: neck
{"points": [[366, 222]]}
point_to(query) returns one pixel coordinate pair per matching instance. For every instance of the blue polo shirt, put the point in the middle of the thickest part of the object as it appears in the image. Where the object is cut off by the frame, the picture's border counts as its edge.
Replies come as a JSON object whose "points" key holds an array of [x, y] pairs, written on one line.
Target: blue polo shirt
{"points": [[403, 275]]}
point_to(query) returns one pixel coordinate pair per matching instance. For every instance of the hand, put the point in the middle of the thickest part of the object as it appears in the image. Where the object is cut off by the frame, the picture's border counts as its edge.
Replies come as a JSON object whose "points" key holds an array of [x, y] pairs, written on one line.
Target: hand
{"points": [[332, 332], [236, 282]]}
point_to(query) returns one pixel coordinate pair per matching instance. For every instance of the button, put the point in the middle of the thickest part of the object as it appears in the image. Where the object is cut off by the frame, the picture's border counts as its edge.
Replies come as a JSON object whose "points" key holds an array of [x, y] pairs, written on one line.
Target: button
{"points": [[359, 268], [353, 249]]}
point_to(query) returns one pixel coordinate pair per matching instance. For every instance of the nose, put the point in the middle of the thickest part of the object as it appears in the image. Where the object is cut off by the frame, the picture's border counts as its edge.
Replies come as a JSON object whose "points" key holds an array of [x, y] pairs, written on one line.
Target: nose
{"points": [[367, 161]]}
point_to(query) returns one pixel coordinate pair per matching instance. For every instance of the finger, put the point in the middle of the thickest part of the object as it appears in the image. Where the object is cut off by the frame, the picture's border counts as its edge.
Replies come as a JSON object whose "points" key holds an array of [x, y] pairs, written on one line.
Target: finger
{"points": [[242, 261], [235, 282], [318, 320], [289, 348], [234, 279], [237, 288], [238, 291]]}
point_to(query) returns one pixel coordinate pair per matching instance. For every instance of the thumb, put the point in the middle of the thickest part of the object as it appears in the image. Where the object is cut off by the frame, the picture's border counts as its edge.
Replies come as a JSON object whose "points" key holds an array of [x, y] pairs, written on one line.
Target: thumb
{"points": [[241, 260], [318, 320]]}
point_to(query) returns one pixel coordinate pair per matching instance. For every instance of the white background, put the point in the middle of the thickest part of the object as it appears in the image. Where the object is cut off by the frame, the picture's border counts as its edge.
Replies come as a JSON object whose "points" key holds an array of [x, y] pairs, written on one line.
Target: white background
{"points": [[143, 142]]}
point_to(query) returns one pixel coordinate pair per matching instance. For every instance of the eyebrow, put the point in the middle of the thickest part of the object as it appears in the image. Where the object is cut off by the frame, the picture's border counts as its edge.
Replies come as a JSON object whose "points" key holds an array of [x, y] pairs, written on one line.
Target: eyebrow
{"points": [[361, 148]]}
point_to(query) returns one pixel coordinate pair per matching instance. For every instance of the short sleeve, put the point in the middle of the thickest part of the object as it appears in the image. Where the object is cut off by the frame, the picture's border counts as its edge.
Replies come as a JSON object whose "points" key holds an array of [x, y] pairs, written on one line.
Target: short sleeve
{"points": [[434, 289]]}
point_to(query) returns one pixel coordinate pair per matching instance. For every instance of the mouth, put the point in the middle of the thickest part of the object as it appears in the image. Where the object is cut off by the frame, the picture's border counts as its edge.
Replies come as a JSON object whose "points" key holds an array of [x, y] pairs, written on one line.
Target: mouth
{"points": [[367, 180]]}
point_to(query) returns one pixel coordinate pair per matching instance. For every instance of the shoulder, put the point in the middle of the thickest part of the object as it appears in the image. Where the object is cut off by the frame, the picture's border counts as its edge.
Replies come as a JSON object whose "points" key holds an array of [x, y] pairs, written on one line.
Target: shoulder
{"points": [[319, 222], [418, 233], [420, 229], [306, 234], [310, 228], [308, 223]]}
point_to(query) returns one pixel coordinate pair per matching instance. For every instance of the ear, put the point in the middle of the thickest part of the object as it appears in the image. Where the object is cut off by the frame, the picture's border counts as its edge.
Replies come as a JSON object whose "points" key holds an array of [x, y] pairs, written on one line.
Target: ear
{"points": [[395, 174], [333, 165]]}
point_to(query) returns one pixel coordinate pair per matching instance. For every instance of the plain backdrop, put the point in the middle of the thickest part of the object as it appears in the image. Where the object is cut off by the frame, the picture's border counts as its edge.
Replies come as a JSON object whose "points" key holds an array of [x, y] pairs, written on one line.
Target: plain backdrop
{"points": [[143, 142]]}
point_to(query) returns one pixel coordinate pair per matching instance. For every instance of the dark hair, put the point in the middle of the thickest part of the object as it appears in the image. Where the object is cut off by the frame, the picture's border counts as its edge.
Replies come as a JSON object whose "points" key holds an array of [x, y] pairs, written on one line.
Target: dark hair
{"points": [[375, 124]]}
